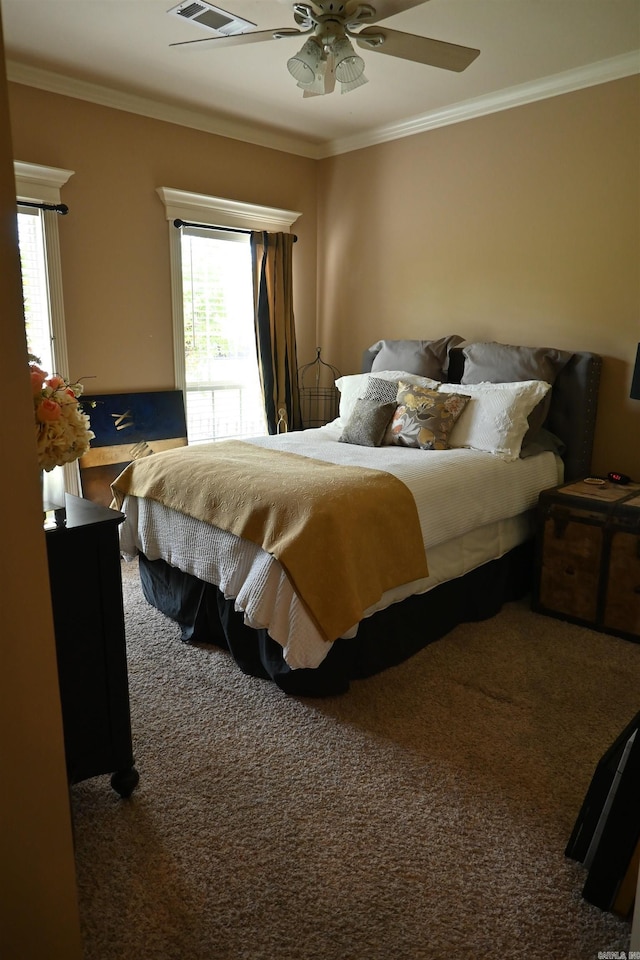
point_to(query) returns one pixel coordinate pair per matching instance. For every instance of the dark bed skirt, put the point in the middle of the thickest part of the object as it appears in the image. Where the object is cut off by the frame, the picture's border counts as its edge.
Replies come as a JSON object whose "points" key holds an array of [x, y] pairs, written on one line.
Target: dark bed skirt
{"points": [[387, 638]]}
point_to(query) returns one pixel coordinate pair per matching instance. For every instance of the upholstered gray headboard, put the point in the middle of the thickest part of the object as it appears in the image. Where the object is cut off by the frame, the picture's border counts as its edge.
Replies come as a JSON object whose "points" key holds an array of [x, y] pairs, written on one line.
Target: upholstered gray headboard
{"points": [[574, 402]]}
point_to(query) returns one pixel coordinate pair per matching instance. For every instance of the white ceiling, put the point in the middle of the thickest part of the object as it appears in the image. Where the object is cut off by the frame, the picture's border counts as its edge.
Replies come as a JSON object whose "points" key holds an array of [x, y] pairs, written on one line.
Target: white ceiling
{"points": [[118, 52]]}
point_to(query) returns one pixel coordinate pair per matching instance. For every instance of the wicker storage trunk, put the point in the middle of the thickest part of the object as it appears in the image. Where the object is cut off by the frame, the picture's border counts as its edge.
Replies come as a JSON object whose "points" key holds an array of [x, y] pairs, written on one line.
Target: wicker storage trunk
{"points": [[588, 556]]}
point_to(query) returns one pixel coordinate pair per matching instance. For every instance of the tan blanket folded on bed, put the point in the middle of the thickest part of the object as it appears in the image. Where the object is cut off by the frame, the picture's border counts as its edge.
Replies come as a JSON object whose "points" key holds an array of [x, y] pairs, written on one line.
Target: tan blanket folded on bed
{"points": [[344, 535]]}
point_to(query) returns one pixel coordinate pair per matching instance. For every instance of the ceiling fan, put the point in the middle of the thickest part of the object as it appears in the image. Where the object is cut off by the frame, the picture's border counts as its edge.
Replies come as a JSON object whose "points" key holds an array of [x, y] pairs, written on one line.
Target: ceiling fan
{"points": [[327, 54]]}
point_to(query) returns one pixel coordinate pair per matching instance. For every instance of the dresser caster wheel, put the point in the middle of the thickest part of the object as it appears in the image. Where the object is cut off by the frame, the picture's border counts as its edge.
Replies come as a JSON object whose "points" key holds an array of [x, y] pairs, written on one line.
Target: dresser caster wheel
{"points": [[124, 782]]}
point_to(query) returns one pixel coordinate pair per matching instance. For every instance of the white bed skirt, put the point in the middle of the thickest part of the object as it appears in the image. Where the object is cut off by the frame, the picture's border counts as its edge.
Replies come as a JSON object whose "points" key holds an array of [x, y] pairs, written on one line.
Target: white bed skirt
{"points": [[472, 507]]}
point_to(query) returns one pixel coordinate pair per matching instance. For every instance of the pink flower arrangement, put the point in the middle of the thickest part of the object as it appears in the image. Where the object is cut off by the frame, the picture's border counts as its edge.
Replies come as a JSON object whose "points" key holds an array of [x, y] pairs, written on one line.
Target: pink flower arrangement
{"points": [[62, 428]]}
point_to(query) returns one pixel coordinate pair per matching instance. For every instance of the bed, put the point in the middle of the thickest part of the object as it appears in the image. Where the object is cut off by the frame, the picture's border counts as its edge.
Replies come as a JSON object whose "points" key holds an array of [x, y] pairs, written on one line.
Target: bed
{"points": [[434, 467]]}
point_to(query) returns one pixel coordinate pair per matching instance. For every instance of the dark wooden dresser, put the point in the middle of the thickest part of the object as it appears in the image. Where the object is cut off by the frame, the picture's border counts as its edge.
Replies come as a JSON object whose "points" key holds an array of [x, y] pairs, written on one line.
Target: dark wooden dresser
{"points": [[86, 596], [588, 556]]}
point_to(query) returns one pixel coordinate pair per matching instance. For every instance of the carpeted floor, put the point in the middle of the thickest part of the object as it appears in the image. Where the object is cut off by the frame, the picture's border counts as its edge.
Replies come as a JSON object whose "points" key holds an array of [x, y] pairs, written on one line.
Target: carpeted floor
{"points": [[421, 816]]}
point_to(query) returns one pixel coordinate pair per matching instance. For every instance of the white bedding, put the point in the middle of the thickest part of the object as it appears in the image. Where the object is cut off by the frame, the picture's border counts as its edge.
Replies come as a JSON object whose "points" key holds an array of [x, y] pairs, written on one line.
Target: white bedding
{"points": [[473, 507]]}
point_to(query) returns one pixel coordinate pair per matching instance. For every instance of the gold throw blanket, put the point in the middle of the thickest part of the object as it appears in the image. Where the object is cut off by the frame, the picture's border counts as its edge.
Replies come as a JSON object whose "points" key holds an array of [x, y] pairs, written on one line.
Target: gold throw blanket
{"points": [[343, 535]]}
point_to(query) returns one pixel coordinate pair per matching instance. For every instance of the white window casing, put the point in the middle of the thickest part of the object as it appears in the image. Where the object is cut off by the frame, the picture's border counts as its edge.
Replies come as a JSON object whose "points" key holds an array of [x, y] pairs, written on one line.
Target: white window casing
{"points": [[41, 184], [220, 212]]}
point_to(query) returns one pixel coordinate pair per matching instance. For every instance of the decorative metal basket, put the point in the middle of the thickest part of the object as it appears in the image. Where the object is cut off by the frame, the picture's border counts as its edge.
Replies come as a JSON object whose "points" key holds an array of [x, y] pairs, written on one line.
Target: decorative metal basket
{"points": [[319, 396]]}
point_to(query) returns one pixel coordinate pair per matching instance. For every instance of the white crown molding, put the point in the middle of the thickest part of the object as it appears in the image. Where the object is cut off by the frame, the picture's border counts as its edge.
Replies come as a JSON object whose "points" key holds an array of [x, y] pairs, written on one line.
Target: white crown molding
{"points": [[182, 205], [568, 81], [40, 183], [156, 109]]}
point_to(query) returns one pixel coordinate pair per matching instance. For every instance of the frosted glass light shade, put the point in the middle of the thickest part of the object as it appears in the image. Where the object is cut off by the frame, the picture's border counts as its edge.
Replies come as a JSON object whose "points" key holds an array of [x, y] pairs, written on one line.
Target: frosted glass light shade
{"points": [[304, 64], [347, 87], [349, 66], [324, 81]]}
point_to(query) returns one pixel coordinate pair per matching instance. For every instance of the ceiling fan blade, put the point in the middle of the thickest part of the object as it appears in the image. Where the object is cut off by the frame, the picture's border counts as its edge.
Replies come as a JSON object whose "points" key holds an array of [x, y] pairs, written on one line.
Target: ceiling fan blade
{"points": [[409, 46], [252, 36]]}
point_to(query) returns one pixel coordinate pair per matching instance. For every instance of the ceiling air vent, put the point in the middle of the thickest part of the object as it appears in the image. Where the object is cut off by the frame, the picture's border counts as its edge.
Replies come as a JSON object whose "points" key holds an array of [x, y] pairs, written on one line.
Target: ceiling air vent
{"points": [[208, 17]]}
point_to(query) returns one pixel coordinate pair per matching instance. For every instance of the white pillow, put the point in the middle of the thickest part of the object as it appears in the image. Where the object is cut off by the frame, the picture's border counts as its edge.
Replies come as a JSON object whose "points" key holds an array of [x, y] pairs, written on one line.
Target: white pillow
{"points": [[495, 419], [353, 386]]}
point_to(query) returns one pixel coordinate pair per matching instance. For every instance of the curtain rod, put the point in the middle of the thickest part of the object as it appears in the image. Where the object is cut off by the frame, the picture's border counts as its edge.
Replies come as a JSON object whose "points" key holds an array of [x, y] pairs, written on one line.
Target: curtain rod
{"points": [[61, 208], [211, 226]]}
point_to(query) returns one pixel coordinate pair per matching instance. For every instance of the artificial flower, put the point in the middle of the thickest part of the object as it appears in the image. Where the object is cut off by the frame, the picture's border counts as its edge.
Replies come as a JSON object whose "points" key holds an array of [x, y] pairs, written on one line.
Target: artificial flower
{"points": [[62, 427]]}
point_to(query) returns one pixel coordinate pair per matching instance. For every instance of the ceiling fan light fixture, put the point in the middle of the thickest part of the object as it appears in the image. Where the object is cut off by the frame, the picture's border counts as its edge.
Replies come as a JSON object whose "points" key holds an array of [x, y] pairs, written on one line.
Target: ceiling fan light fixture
{"points": [[323, 82], [304, 65], [328, 55], [353, 84], [349, 66]]}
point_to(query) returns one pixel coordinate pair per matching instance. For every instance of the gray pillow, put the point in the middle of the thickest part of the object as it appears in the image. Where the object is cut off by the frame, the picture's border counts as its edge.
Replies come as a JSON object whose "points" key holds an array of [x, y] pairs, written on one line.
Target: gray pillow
{"points": [[504, 363], [368, 422], [426, 358], [544, 440]]}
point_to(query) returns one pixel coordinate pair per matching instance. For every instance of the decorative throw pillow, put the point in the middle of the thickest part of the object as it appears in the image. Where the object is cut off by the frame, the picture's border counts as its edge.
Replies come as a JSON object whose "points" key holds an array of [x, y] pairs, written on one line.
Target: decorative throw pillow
{"points": [[503, 363], [424, 418], [353, 386], [495, 419], [384, 391], [426, 358], [367, 423]]}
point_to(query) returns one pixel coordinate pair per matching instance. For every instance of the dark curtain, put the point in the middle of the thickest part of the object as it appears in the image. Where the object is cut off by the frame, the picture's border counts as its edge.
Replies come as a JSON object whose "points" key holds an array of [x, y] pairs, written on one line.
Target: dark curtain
{"points": [[271, 256]]}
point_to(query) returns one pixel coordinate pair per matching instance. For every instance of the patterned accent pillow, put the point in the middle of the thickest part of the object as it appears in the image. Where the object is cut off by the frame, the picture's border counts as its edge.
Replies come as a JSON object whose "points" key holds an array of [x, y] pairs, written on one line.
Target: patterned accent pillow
{"points": [[367, 424], [383, 391], [354, 385], [424, 418]]}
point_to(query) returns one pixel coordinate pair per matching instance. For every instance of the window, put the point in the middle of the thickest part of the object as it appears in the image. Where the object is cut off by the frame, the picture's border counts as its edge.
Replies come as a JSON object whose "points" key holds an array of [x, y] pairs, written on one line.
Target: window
{"points": [[215, 356], [42, 284], [223, 395], [34, 285]]}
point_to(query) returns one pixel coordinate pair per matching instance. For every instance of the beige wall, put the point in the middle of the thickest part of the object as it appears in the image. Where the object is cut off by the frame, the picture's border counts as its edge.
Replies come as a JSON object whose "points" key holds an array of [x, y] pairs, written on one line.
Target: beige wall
{"points": [[522, 226], [38, 904], [114, 241]]}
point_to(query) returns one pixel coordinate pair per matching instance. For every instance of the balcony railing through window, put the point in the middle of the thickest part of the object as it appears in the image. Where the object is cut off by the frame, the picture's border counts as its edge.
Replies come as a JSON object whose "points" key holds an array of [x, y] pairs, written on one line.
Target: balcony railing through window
{"points": [[222, 411]]}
